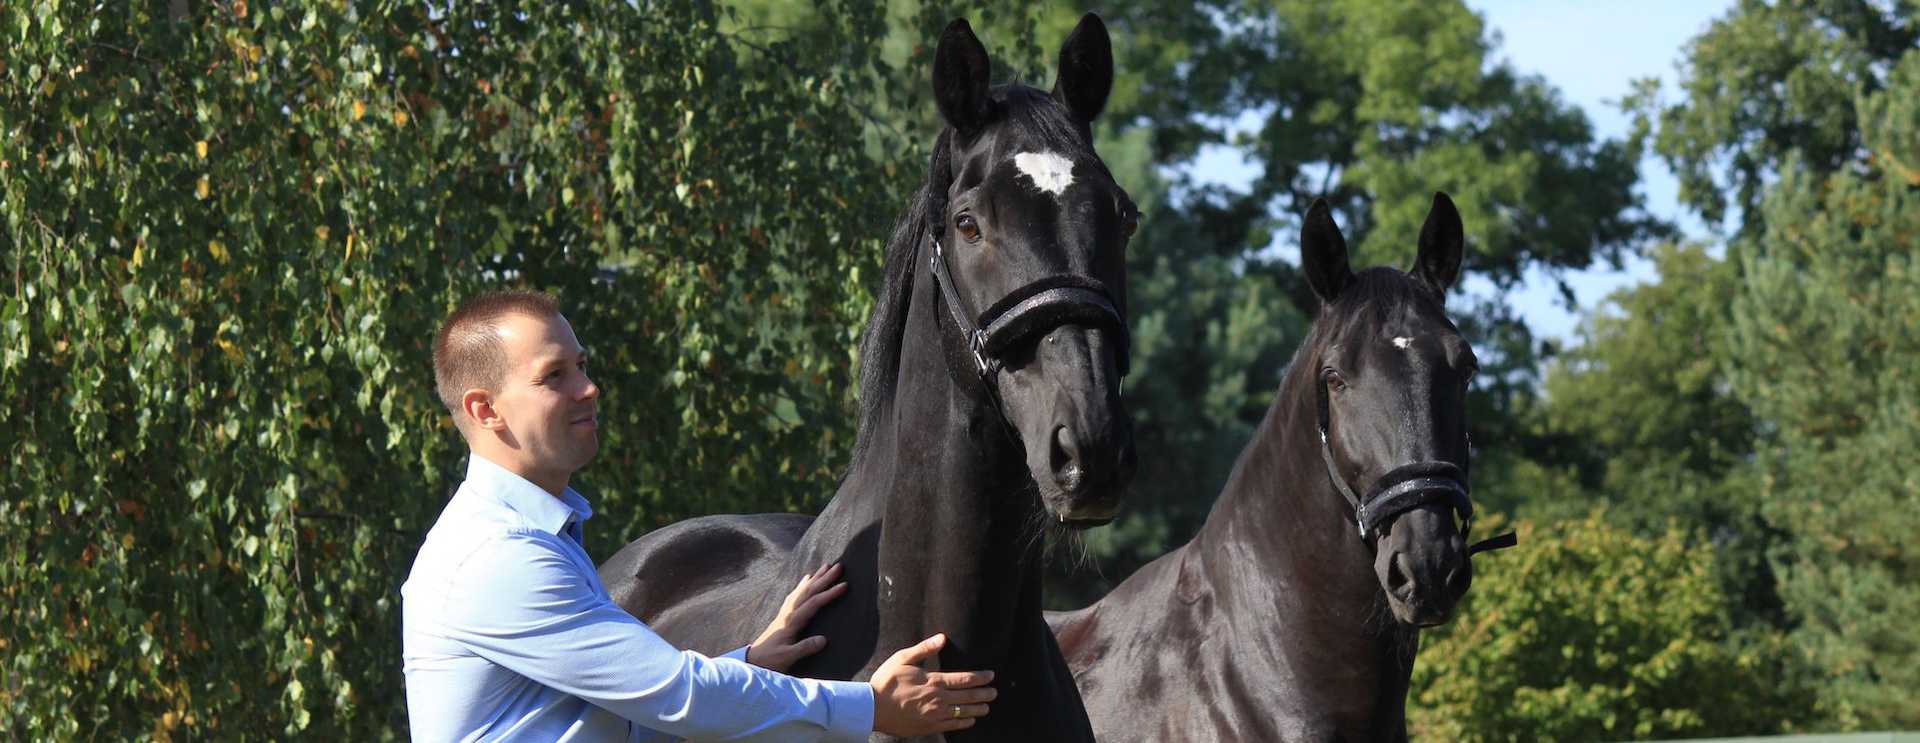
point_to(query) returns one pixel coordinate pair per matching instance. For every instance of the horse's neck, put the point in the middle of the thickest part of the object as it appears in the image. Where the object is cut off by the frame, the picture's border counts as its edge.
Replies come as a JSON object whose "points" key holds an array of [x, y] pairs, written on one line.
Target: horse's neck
{"points": [[952, 497], [1281, 547]]}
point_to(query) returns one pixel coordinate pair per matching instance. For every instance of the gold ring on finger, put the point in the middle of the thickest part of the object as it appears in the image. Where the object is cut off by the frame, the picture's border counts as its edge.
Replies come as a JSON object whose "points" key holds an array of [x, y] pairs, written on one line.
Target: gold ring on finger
{"points": [[956, 711]]}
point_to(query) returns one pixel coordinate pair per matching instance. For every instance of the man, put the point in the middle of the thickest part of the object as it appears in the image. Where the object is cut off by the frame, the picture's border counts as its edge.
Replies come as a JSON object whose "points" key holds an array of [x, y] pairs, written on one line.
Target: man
{"points": [[508, 631]]}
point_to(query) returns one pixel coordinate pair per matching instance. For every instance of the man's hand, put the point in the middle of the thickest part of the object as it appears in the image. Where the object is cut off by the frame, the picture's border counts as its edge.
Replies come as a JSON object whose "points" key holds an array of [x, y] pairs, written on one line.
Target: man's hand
{"points": [[780, 646], [909, 701]]}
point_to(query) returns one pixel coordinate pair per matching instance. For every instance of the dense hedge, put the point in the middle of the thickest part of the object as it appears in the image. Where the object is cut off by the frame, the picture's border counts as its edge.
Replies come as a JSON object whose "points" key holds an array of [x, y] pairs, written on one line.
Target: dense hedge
{"points": [[1593, 633], [229, 232]]}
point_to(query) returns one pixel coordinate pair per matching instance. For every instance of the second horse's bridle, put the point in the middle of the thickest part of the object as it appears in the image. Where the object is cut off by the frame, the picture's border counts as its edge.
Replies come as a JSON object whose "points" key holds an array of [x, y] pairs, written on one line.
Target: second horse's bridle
{"points": [[1405, 488]]}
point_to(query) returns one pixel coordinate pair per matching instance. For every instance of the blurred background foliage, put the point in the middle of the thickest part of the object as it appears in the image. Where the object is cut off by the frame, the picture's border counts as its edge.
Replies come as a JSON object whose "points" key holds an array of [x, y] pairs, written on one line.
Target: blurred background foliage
{"points": [[232, 228]]}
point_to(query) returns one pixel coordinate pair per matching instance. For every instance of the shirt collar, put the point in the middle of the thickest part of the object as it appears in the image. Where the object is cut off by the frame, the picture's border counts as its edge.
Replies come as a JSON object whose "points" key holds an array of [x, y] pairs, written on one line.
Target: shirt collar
{"points": [[533, 503]]}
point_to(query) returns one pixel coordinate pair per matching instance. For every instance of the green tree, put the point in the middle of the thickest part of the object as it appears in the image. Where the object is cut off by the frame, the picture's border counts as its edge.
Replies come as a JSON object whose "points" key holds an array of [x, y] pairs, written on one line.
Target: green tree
{"points": [[231, 231], [1593, 633], [1770, 80], [1826, 340], [1801, 115], [1374, 105], [1640, 418]]}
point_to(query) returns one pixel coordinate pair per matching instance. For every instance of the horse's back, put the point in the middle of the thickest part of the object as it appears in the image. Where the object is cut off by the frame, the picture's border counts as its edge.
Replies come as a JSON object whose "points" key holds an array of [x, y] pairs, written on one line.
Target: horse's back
{"points": [[698, 582]]}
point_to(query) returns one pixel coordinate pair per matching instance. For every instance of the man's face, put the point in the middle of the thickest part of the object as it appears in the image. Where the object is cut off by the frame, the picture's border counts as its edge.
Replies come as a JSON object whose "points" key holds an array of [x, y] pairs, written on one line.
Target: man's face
{"points": [[546, 399]]}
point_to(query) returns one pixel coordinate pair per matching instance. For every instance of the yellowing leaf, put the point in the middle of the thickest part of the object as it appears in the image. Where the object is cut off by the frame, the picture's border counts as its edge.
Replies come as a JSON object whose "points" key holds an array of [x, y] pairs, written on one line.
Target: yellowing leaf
{"points": [[218, 250], [349, 247], [359, 110], [202, 188], [200, 148], [399, 117], [321, 232]]}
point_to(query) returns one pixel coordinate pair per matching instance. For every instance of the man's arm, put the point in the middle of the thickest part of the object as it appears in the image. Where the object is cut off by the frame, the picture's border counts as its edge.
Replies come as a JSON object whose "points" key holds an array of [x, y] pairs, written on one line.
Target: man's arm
{"points": [[522, 603]]}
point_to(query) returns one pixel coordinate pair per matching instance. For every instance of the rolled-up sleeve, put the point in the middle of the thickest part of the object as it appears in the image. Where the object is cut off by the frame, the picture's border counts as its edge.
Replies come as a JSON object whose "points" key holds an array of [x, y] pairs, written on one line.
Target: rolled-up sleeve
{"points": [[521, 601]]}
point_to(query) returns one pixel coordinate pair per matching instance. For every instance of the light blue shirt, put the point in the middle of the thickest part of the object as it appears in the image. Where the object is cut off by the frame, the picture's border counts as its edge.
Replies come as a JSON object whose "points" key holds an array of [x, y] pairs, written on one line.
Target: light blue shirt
{"points": [[509, 635]]}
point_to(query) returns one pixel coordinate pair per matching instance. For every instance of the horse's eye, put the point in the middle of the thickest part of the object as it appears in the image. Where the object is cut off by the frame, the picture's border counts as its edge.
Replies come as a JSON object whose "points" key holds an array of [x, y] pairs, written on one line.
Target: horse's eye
{"points": [[1333, 380], [968, 228], [1132, 224]]}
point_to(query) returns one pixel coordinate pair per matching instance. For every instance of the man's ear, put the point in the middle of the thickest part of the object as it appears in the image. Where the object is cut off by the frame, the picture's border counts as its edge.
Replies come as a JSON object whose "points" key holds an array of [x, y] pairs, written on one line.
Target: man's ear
{"points": [[476, 407]]}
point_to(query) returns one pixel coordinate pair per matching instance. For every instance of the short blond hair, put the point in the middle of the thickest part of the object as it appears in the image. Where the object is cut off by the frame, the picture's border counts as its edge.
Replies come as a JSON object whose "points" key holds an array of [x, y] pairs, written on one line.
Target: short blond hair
{"points": [[467, 352]]}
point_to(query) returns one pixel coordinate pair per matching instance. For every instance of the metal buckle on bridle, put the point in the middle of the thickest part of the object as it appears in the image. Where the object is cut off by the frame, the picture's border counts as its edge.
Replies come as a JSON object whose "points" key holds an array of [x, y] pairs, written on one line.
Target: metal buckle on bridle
{"points": [[977, 345]]}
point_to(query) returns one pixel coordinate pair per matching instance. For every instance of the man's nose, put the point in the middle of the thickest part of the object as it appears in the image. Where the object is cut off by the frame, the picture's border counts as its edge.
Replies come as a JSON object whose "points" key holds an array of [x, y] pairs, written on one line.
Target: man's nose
{"points": [[592, 392]]}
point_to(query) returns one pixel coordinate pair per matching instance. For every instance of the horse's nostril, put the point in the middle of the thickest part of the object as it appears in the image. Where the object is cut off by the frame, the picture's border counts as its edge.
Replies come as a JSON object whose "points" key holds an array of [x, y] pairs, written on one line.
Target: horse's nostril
{"points": [[1066, 458], [1399, 575]]}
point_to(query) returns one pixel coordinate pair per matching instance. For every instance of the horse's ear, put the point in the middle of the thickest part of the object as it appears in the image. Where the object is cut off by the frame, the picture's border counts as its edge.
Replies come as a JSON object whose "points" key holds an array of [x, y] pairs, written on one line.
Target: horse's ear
{"points": [[1086, 69], [960, 78], [1323, 252], [1442, 243]]}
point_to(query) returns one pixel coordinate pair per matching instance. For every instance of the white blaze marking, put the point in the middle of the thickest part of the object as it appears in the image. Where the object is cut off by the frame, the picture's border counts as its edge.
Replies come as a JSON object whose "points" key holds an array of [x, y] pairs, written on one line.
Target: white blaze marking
{"points": [[1402, 342], [1049, 172]]}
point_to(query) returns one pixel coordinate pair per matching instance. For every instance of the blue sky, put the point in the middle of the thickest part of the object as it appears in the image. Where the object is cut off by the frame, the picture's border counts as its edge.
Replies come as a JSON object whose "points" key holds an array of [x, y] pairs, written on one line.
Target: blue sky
{"points": [[1591, 52]]}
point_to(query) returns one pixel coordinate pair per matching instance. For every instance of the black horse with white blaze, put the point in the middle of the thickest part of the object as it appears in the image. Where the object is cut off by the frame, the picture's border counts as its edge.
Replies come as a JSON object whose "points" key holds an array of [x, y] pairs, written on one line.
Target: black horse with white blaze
{"points": [[977, 429], [1294, 614]]}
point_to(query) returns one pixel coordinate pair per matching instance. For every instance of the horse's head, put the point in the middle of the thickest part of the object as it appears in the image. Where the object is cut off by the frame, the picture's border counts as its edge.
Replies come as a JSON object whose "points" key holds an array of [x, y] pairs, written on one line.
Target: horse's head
{"points": [[1032, 227], [1393, 373]]}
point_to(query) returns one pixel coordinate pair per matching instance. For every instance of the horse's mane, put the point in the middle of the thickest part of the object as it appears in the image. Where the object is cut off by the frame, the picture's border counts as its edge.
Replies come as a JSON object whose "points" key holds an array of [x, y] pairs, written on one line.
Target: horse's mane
{"points": [[1033, 112], [880, 347]]}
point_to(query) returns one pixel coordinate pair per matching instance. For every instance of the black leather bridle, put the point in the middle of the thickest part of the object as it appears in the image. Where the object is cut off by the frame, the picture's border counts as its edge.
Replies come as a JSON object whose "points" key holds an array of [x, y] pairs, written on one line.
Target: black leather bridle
{"points": [[1042, 305], [1405, 488], [1039, 306]]}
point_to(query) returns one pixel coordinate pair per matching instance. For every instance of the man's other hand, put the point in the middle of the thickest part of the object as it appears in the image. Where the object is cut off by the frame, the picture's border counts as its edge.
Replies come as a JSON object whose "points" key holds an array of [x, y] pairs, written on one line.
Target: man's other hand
{"points": [[781, 646], [910, 701]]}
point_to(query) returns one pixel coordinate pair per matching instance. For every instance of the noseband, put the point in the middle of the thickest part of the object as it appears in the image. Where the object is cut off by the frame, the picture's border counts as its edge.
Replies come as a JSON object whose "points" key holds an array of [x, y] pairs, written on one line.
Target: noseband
{"points": [[1407, 487], [1044, 304]]}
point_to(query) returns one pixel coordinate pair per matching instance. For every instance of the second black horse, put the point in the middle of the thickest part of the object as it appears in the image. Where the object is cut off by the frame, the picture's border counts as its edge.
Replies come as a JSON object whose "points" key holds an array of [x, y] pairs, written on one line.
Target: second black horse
{"points": [[1294, 614]]}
